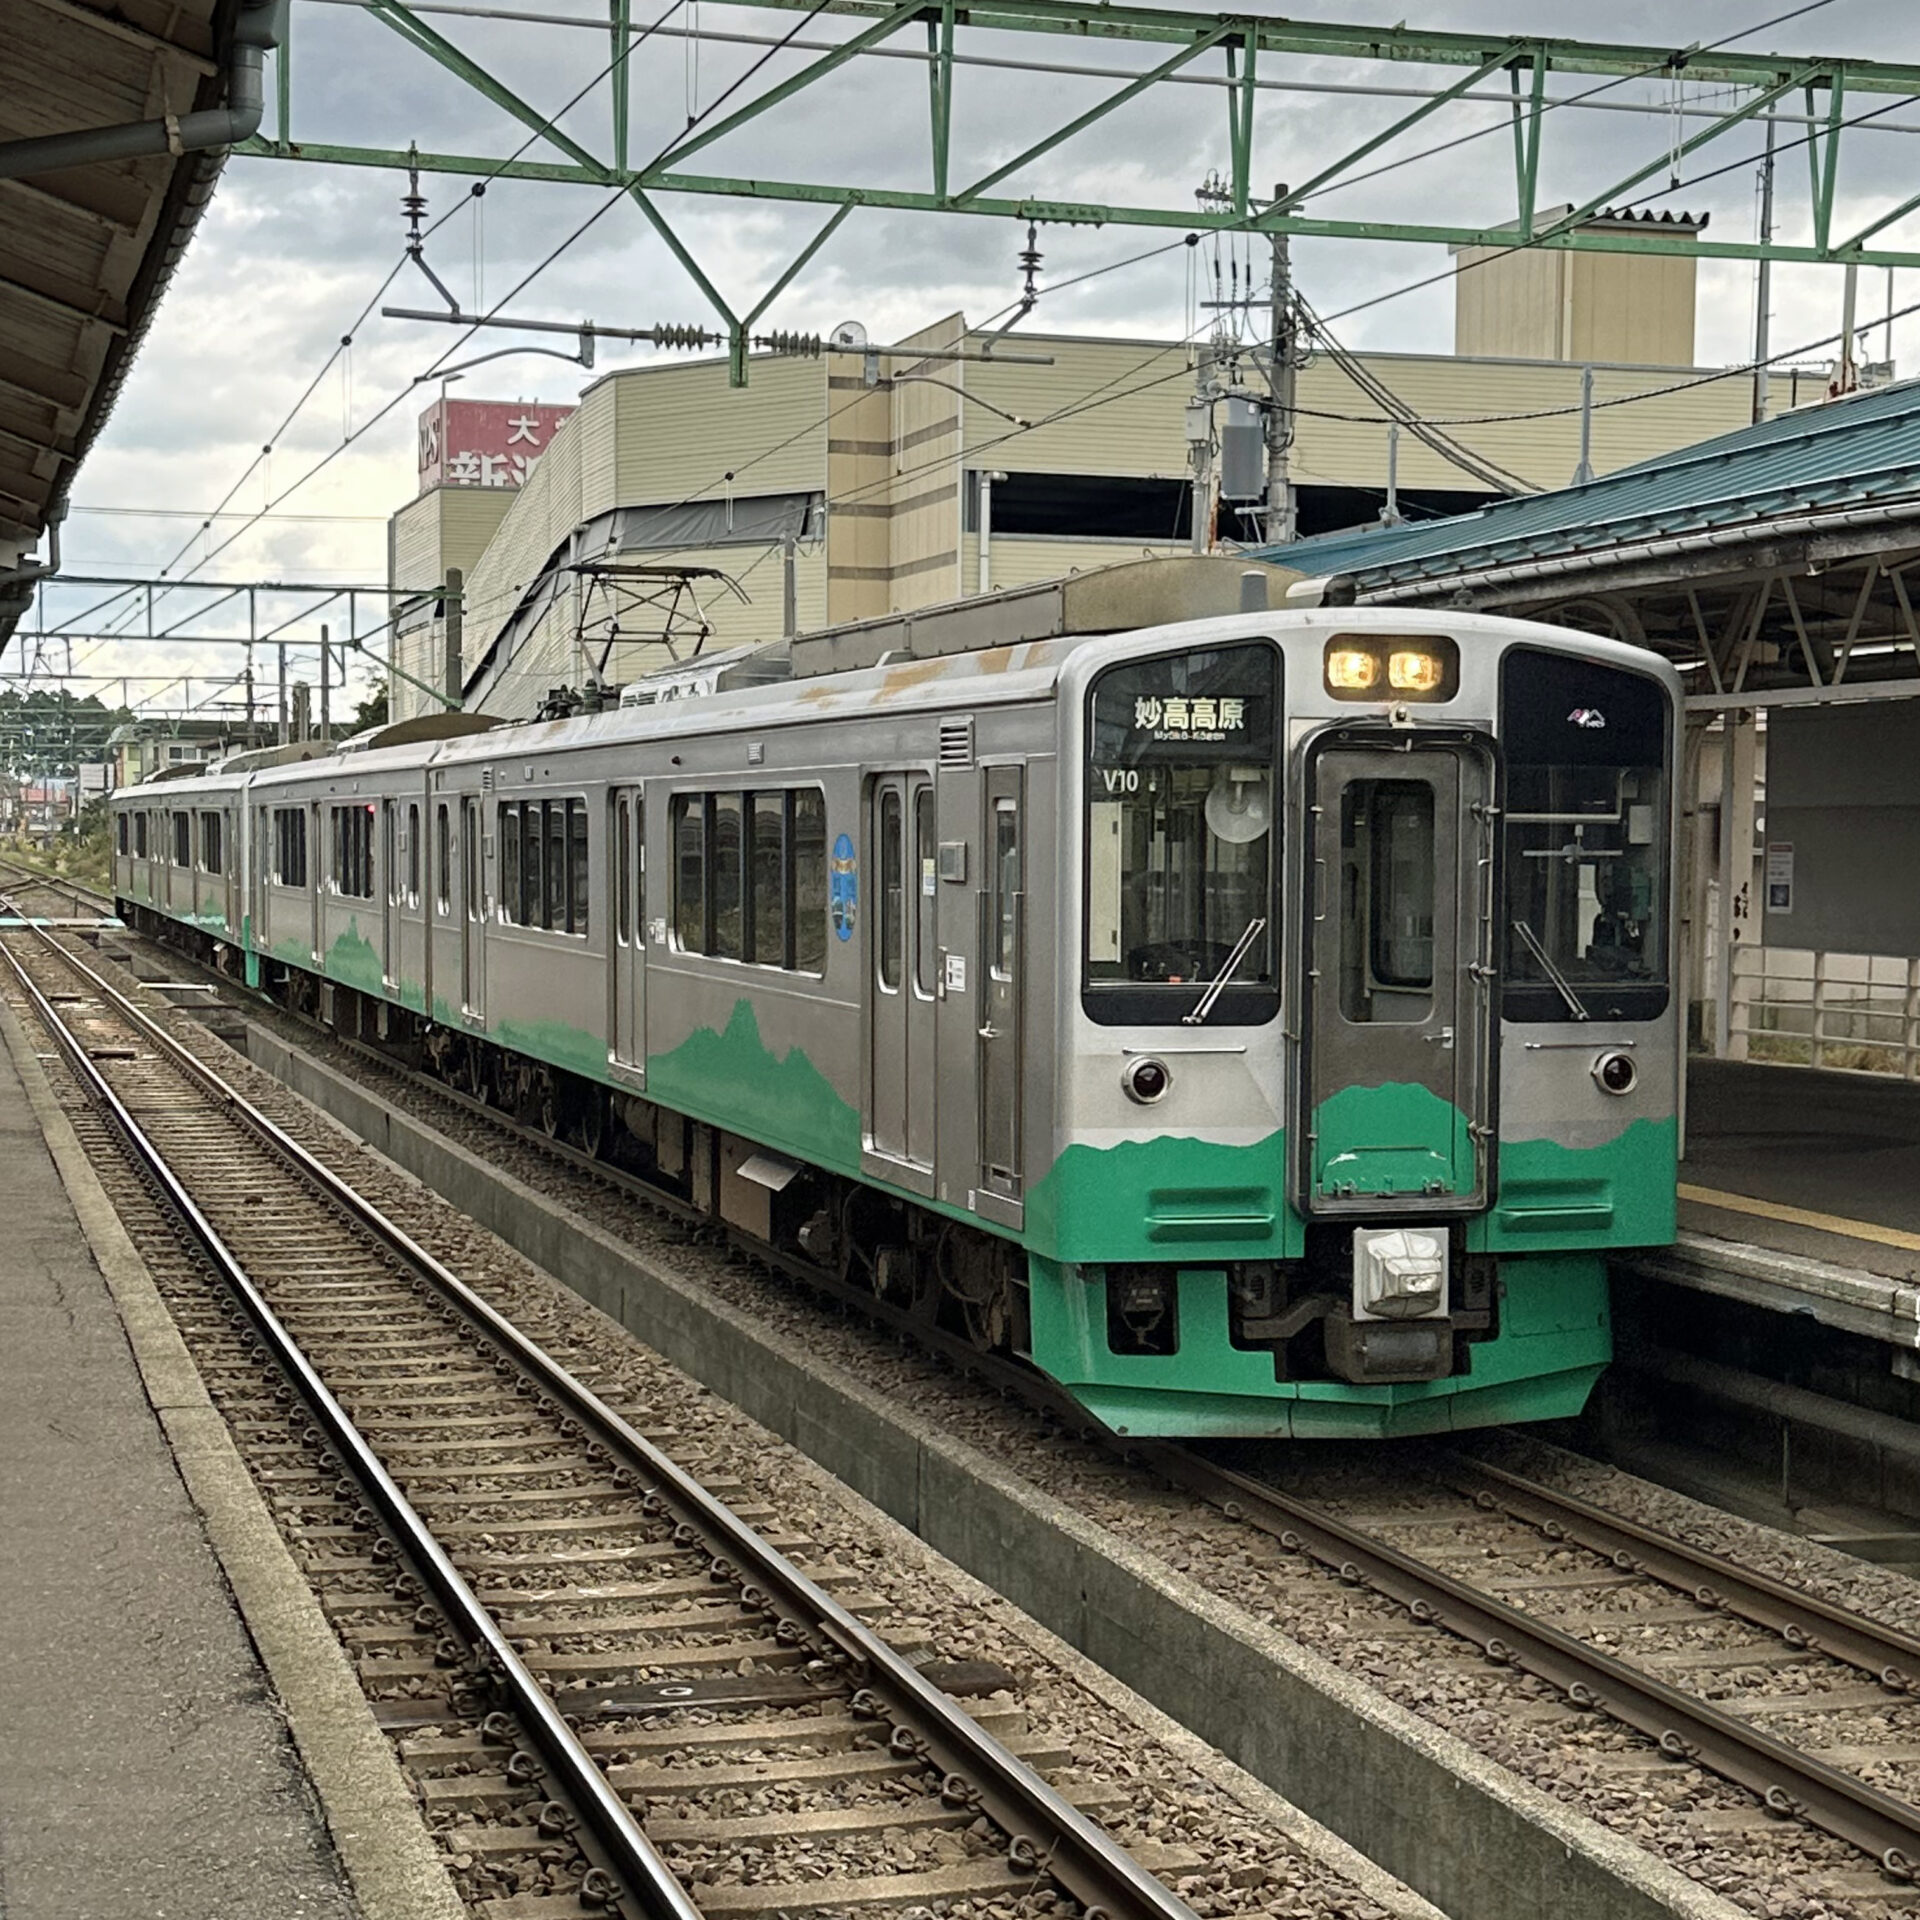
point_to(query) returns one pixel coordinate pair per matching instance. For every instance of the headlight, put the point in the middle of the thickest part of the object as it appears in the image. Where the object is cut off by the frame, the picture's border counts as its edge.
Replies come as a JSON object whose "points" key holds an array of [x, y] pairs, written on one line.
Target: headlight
{"points": [[1146, 1080], [1402, 666], [1351, 669], [1414, 670], [1616, 1072]]}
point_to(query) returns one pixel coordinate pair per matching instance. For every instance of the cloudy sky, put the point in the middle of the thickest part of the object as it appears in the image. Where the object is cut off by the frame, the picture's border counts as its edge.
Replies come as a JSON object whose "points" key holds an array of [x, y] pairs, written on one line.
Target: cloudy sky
{"points": [[289, 255]]}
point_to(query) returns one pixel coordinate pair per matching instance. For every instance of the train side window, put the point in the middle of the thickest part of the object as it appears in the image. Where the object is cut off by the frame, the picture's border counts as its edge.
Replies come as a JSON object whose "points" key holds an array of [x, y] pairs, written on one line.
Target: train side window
{"points": [[413, 853], [213, 851], [476, 897], [808, 847], [690, 872], [578, 891], [925, 890], [353, 851], [727, 894], [767, 861], [390, 849], [890, 856], [183, 839], [623, 870], [442, 858], [140, 836], [120, 832], [509, 865], [1006, 886], [290, 846]]}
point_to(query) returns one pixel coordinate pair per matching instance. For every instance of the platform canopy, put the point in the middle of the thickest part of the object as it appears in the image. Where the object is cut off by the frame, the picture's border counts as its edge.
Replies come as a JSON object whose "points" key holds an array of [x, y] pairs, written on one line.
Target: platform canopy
{"points": [[87, 245], [1771, 565]]}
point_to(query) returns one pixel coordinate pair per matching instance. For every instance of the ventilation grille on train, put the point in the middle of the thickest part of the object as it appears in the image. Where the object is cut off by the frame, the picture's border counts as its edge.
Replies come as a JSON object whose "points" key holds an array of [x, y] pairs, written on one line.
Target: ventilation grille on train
{"points": [[486, 779], [956, 742]]}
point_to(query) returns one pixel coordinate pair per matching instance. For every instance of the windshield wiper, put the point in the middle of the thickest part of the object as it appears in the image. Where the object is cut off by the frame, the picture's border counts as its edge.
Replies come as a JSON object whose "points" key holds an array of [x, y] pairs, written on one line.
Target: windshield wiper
{"points": [[1574, 1003], [1218, 984]]}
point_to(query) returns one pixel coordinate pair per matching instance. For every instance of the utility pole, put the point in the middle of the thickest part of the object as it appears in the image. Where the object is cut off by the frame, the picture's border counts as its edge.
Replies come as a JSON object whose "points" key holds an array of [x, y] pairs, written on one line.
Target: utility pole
{"points": [[326, 688], [453, 627], [1282, 520], [1764, 284], [1200, 453], [284, 735]]}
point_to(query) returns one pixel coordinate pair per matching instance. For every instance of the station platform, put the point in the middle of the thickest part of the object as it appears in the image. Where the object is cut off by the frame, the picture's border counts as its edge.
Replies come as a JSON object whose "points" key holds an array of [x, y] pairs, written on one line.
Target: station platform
{"points": [[1800, 1191], [145, 1763]]}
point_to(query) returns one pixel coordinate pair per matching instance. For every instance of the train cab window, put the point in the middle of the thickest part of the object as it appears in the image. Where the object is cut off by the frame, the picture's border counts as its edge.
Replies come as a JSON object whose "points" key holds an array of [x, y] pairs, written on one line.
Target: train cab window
{"points": [[140, 836], [120, 832], [1386, 888], [1181, 833], [213, 847], [183, 839], [1584, 924], [442, 858], [290, 846]]}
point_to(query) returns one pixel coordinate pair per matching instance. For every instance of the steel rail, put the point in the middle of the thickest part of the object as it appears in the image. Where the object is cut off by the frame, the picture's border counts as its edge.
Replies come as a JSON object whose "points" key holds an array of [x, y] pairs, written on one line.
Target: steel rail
{"points": [[1046, 1832], [1801, 1619], [1789, 1783], [627, 1852]]}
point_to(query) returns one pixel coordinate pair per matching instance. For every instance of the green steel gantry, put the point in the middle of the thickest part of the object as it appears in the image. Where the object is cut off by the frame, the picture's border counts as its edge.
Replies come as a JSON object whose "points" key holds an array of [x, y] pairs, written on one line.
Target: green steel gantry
{"points": [[1821, 101]]}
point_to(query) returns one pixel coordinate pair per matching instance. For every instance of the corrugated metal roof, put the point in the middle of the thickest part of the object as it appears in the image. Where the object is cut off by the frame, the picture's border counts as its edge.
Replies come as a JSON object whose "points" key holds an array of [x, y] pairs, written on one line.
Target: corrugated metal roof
{"points": [[86, 252], [1864, 450]]}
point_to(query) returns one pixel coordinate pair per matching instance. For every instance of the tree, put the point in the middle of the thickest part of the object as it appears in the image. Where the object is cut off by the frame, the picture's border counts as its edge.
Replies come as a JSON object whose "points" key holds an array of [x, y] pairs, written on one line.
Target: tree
{"points": [[372, 711], [44, 733]]}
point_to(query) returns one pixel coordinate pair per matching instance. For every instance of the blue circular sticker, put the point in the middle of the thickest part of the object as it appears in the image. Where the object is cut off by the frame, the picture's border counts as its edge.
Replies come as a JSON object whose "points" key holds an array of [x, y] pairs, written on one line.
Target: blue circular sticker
{"points": [[843, 887]]}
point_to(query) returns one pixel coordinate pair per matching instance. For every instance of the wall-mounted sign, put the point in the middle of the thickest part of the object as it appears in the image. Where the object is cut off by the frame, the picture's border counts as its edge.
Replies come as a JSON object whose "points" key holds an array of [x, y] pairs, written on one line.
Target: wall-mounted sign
{"points": [[484, 443], [1779, 876]]}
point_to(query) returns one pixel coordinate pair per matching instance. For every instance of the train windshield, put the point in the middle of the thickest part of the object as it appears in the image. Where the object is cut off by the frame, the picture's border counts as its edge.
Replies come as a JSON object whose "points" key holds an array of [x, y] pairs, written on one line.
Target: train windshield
{"points": [[1181, 834], [1586, 819]]}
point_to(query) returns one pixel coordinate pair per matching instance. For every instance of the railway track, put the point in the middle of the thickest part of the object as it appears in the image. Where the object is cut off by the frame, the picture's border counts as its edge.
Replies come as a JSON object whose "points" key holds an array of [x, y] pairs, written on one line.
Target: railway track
{"points": [[615, 1692], [1812, 1709]]}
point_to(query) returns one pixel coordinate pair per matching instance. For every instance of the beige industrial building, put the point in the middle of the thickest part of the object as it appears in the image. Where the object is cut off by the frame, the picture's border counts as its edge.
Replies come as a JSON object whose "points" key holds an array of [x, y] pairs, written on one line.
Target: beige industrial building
{"points": [[672, 509]]}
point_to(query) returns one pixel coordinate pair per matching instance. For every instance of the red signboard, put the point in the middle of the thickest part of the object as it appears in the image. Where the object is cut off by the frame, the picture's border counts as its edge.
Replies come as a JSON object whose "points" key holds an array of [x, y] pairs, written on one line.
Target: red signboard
{"points": [[484, 443]]}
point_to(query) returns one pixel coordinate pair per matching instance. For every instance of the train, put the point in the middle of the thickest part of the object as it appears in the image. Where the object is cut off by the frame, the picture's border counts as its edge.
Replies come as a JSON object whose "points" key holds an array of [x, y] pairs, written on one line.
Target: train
{"points": [[1262, 1024]]}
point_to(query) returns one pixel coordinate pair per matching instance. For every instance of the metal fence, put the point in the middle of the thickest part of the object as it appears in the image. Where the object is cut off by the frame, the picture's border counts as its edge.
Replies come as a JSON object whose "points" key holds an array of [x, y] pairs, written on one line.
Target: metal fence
{"points": [[1850, 1012]]}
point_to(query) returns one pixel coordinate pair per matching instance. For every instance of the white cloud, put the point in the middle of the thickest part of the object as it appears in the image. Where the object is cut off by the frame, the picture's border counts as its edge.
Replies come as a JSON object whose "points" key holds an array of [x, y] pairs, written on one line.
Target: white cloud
{"points": [[288, 255]]}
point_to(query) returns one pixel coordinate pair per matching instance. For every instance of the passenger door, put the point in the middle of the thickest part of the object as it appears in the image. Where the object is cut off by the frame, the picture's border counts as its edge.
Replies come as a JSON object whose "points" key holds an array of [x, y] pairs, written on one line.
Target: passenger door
{"points": [[1397, 1063], [1002, 928], [903, 955], [628, 857]]}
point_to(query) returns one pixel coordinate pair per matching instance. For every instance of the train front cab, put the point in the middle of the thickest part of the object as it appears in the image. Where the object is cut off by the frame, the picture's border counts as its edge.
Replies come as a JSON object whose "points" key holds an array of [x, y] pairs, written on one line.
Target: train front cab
{"points": [[1356, 1171]]}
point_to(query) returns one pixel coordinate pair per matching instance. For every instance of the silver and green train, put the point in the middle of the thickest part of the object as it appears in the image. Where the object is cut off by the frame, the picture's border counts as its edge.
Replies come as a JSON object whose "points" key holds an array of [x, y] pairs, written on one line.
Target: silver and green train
{"points": [[1263, 1023]]}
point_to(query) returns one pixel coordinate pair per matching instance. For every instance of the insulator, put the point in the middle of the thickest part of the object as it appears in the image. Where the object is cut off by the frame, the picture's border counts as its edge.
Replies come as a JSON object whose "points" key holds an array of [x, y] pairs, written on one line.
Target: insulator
{"points": [[805, 345], [681, 336]]}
